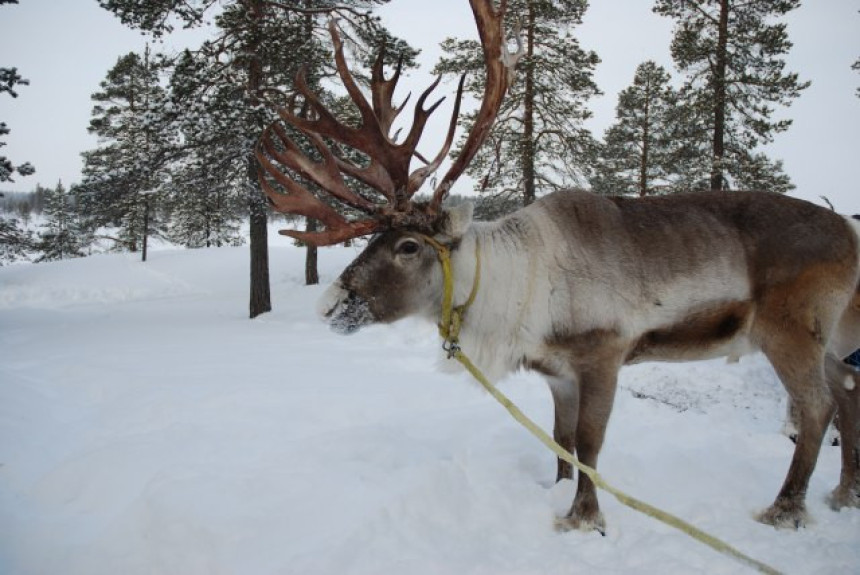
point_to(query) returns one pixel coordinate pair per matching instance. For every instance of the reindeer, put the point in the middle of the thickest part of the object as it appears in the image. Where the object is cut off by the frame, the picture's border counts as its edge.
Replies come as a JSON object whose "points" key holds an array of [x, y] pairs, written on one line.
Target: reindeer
{"points": [[575, 285]]}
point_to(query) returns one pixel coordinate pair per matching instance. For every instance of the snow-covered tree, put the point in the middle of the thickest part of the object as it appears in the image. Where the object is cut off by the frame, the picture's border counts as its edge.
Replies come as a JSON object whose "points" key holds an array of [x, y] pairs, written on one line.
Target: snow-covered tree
{"points": [[204, 210], [258, 47], [731, 53], [62, 235], [9, 78], [538, 143], [207, 191], [640, 150], [126, 173], [15, 241]]}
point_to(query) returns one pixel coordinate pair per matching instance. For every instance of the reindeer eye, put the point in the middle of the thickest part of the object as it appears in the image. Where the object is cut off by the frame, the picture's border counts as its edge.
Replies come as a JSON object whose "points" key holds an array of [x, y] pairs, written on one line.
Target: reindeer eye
{"points": [[408, 247]]}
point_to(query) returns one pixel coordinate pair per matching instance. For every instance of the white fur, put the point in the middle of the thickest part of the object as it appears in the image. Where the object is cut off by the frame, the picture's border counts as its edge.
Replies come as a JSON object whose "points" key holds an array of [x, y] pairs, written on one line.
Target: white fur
{"points": [[507, 321], [458, 220], [519, 300], [847, 333], [330, 299], [855, 223]]}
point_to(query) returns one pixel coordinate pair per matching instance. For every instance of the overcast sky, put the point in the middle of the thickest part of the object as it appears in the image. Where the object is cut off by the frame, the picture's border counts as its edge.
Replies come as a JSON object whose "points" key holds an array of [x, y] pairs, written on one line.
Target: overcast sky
{"points": [[66, 47]]}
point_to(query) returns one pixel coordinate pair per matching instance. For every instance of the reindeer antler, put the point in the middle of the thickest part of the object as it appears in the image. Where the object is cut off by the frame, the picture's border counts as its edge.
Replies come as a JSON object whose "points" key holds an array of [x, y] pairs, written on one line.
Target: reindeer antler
{"points": [[387, 171], [501, 65]]}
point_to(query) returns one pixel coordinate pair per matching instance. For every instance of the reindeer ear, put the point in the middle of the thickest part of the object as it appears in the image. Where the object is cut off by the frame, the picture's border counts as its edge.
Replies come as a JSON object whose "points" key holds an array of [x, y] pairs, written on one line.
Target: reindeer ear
{"points": [[455, 221]]}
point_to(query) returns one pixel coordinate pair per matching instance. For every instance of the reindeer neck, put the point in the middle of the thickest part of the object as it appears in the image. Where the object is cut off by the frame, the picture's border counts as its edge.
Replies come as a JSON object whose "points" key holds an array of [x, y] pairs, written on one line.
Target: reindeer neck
{"points": [[466, 261], [508, 271], [452, 314]]}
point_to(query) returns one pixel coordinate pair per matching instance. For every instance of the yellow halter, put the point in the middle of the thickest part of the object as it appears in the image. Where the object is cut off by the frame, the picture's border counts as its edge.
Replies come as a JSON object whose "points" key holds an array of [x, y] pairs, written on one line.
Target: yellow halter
{"points": [[452, 316]]}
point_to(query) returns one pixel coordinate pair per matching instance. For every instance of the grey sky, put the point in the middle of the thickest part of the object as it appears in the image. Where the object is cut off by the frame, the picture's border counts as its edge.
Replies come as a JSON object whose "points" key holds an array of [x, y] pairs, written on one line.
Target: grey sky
{"points": [[65, 48]]}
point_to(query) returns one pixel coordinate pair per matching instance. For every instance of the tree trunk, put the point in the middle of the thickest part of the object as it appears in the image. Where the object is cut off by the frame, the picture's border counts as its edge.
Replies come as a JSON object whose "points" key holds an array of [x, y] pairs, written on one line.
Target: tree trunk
{"points": [[207, 227], [312, 276], [148, 155], [261, 301], [717, 178], [528, 143], [646, 143], [145, 228]]}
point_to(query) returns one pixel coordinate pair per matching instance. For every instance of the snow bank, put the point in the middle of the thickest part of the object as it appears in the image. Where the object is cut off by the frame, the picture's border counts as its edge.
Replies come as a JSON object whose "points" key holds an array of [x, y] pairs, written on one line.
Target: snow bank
{"points": [[147, 426]]}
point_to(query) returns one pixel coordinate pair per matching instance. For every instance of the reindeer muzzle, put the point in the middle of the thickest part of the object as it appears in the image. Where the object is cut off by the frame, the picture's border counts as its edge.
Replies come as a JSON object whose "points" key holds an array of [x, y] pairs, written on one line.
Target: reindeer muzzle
{"points": [[345, 311]]}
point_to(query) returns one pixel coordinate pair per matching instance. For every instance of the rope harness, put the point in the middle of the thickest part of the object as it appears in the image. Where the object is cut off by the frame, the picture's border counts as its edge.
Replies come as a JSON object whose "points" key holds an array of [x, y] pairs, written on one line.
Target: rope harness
{"points": [[449, 329], [452, 316]]}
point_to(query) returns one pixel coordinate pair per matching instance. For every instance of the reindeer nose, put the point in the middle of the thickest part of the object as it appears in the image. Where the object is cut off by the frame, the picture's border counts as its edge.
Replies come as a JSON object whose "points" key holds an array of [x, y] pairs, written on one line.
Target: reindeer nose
{"points": [[331, 298]]}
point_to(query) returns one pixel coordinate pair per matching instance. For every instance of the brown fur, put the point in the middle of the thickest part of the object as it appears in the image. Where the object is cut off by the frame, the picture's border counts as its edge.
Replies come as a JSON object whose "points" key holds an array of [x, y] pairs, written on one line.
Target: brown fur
{"points": [[798, 272], [692, 337]]}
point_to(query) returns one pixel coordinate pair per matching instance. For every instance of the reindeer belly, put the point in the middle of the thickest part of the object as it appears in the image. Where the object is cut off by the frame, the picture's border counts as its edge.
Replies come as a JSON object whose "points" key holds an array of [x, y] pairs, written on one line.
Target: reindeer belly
{"points": [[711, 330], [659, 314]]}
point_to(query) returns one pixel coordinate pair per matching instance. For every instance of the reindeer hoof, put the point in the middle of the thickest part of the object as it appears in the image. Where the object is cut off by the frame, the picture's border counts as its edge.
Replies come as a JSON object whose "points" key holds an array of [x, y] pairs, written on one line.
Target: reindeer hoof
{"points": [[784, 515], [842, 497], [575, 523]]}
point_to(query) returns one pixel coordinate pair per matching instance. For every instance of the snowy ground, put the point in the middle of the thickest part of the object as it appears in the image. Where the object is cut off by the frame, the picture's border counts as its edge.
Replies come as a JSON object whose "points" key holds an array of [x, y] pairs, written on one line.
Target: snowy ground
{"points": [[147, 426]]}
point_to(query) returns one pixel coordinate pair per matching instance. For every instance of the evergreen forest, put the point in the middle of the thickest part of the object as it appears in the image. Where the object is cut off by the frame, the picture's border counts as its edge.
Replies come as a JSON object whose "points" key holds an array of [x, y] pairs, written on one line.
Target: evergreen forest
{"points": [[175, 159]]}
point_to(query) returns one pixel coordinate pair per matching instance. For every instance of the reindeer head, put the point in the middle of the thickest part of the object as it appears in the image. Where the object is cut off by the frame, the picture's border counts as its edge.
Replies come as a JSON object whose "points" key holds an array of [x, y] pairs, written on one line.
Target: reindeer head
{"points": [[397, 274]]}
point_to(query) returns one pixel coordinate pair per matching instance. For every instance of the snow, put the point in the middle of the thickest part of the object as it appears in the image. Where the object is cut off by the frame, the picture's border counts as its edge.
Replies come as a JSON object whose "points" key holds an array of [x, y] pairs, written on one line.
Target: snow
{"points": [[148, 426]]}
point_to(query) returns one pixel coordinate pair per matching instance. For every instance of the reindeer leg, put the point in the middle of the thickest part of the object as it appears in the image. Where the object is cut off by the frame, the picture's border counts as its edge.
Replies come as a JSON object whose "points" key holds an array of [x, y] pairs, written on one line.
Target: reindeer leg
{"points": [[799, 363], [565, 396], [844, 383], [792, 421], [596, 394]]}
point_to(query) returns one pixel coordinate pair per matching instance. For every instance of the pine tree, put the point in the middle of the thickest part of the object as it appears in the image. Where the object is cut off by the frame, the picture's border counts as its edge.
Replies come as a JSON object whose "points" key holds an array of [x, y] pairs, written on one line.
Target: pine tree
{"points": [[9, 78], [204, 208], [61, 235], [640, 151], [84, 225], [126, 174], [538, 143], [732, 55], [38, 199], [257, 43], [15, 240], [208, 190]]}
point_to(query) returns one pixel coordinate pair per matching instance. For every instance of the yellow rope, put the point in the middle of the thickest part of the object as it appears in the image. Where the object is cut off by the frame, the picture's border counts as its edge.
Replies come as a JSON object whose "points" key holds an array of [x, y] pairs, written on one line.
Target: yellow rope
{"points": [[449, 329], [452, 317]]}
